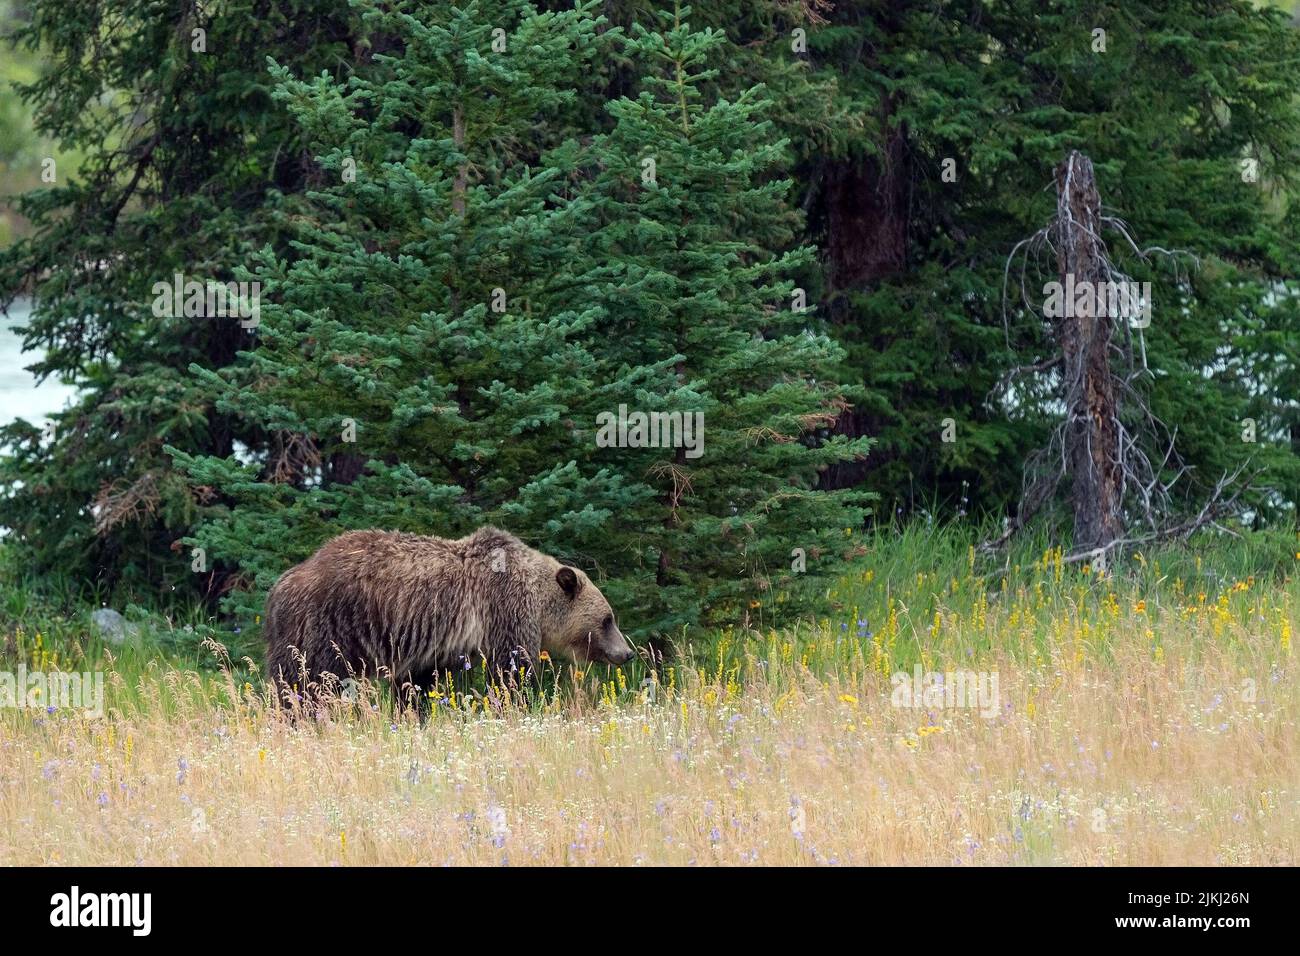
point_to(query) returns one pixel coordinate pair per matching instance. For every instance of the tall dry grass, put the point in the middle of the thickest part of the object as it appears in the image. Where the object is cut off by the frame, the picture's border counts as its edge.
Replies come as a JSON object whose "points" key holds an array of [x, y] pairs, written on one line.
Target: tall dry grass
{"points": [[1135, 725]]}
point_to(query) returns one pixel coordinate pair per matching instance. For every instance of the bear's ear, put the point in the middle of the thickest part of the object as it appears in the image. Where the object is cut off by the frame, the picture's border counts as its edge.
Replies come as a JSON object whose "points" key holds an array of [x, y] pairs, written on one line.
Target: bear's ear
{"points": [[567, 579]]}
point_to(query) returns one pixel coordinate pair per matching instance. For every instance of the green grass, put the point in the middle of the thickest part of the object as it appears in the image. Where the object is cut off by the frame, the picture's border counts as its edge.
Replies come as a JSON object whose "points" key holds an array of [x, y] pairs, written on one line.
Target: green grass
{"points": [[881, 614]]}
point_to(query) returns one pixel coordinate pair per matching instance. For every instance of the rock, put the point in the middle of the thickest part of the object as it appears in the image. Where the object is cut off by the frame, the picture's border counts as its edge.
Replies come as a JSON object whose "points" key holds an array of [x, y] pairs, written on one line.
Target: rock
{"points": [[113, 626]]}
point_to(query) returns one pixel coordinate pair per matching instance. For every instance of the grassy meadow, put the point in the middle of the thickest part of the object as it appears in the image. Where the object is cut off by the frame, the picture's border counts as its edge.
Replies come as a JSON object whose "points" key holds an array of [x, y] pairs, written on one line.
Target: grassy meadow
{"points": [[1144, 716]]}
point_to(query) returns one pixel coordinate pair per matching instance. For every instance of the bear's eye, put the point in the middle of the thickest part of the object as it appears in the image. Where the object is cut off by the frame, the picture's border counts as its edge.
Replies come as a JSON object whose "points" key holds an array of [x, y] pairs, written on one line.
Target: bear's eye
{"points": [[608, 622]]}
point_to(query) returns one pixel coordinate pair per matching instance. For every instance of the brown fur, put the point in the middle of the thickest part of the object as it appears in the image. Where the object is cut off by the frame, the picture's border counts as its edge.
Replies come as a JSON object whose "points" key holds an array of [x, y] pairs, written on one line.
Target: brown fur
{"points": [[413, 606]]}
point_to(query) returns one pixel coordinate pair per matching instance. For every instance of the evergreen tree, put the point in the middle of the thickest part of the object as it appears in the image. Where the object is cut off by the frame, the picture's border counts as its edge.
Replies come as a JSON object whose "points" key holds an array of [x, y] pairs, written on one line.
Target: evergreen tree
{"points": [[922, 141], [187, 168], [419, 354], [699, 295], [925, 140], [962, 116], [486, 295]]}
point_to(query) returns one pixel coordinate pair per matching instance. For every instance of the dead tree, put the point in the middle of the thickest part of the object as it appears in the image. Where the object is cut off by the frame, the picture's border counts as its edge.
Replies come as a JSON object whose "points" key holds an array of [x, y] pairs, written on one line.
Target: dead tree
{"points": [[1092, 425], [1121, 459]]}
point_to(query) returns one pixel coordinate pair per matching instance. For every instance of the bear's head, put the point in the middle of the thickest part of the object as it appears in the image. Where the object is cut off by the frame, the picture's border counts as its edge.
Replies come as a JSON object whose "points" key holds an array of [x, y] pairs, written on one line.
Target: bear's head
{"points": [[578, 623]]}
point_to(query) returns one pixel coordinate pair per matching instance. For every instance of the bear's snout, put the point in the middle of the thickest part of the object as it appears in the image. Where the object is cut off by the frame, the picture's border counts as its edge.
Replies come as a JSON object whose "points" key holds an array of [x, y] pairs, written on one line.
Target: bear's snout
{"points": [[618, 649]]}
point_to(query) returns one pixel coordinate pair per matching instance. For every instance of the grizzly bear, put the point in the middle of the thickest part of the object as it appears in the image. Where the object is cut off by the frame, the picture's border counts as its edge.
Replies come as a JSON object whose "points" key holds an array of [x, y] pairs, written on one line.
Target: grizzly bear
{"points": [[412, 606]]}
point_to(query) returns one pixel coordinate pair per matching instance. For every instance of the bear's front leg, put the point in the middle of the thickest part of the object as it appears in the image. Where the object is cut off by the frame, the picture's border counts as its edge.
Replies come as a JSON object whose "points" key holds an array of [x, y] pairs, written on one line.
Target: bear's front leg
{"points": [[515, 663]]}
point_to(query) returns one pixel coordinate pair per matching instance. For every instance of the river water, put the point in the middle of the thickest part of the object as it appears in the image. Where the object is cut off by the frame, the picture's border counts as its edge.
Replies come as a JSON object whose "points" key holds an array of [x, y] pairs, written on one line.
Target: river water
{"points": [[20, 396]]}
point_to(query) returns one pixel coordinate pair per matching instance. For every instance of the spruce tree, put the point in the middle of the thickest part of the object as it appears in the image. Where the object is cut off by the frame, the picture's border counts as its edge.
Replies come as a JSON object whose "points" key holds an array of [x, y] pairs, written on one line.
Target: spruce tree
{"points": [[422, 359], [697, 291], [487, 293], [187, 166], [1188, 112], [926, 140]]}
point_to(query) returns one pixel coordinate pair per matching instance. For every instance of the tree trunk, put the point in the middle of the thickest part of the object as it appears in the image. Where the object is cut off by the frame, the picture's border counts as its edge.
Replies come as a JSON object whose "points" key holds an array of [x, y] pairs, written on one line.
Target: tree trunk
{"points": [[866, 215], [866, 243], [1084, 331], [345, 468]]}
